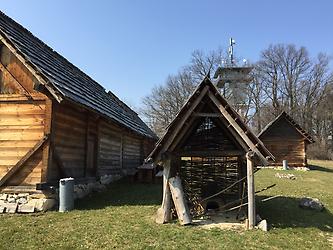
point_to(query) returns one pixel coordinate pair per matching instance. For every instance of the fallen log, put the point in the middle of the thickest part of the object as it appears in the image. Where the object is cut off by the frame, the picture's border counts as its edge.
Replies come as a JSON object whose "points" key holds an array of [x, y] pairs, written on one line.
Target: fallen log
{"points": [[178, 198]]}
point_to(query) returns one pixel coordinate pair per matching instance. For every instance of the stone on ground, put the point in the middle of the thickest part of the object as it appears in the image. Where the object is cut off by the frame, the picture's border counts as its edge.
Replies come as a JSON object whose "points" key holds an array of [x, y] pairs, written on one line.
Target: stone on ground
{"points": [[25, 208], [11, 208], [311, 203], [263, 225]]}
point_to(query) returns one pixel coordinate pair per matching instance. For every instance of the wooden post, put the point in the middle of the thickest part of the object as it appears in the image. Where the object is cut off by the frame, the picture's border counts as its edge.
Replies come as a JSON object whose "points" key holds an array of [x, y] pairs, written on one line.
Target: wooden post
{"points": [[177, 193], [47, 154], [250, 190], [164, 212]]}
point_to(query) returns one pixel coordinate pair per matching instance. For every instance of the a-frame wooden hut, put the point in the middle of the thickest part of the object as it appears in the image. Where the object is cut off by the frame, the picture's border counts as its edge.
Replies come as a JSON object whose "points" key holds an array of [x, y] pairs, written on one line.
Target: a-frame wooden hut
{"points": [[286, 140], [55, 121], [209, 148]]}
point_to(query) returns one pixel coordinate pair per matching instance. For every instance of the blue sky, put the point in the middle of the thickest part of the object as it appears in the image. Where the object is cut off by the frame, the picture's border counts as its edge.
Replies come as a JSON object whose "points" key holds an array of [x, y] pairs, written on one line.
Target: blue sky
{"points": [[131, 46]]}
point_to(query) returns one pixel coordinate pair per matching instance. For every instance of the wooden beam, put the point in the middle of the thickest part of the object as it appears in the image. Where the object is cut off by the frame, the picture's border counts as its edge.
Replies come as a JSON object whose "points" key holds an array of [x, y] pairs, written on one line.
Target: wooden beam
{"points": [[21, 97], [238, 129], [183, 119], [204, 153], [31, 67], [59, 162], [164, 212], [182, 133], [121, 149], [250, 190], [19, 85], [179, 200], [24, 159], [46, 149], [207, 115]]}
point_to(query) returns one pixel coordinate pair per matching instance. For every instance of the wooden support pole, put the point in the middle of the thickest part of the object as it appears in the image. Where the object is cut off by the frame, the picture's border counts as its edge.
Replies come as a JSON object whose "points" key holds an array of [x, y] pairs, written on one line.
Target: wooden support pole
{"points": [[178, 198], [164, 212], [250, 190]]}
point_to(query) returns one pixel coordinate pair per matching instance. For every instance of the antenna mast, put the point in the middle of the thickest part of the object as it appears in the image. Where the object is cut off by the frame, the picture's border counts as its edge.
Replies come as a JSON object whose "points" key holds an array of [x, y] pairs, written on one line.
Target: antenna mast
{"points": [[231, 51]]}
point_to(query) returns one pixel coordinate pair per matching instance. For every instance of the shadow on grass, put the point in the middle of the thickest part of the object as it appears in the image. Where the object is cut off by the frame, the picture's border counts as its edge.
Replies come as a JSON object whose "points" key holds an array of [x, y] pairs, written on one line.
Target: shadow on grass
{"points": [[284, 212], [320, 168], [122, 193]]}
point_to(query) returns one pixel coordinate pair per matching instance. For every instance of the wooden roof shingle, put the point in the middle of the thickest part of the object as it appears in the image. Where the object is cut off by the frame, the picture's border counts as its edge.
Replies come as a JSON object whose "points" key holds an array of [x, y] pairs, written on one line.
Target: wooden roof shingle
{"points": [[65, 80]]}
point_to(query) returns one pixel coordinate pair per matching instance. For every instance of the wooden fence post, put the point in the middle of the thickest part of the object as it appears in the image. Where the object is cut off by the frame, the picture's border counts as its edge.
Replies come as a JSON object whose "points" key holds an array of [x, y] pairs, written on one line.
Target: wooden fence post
{"points": [[164, 212], [250, 190]]}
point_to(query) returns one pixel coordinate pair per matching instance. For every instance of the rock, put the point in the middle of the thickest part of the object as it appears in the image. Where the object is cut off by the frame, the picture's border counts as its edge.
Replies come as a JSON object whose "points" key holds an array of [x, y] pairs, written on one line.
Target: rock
{"points": [[14, 196], [22, 200], [25, 208], [263, 225], [23, 195], [2, 209], [80, 191], [98, 187], [36, 196], [11, 208], [11, 199], [106, 179], [301, 168], [3, 197], [311, 203], [95, 187], [43, 205], [287, 176], [3, 203]]}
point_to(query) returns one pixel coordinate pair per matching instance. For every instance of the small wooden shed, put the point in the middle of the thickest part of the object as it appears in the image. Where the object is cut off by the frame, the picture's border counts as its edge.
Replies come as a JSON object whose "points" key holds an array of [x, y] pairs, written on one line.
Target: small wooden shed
{"points": [[55, 121], [209, 148], [286, 140]]}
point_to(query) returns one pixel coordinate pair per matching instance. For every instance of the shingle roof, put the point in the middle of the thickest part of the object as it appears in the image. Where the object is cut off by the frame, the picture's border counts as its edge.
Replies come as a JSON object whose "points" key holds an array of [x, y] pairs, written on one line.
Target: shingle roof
{"points": [[67, 79], [298, 128]]}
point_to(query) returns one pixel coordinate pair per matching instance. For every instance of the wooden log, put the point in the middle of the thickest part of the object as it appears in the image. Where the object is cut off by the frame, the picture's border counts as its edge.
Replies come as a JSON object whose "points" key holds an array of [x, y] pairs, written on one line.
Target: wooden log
{"points": [[250, 190], [178, 198], [164, 213]]}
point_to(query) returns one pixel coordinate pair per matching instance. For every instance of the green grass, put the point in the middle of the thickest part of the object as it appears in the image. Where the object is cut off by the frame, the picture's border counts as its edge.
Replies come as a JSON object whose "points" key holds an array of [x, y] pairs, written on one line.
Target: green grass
{"points": [[123, 217]]}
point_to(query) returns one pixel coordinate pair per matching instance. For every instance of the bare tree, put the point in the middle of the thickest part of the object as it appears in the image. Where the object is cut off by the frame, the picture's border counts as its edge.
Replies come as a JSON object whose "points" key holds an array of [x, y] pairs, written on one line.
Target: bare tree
{"points": [[161, 106], [285, 78]]}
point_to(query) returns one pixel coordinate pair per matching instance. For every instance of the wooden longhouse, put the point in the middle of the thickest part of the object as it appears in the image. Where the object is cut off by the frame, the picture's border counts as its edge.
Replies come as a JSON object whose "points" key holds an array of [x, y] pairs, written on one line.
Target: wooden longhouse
{"points": [[286, 140], [55, 121], [209, 148]]}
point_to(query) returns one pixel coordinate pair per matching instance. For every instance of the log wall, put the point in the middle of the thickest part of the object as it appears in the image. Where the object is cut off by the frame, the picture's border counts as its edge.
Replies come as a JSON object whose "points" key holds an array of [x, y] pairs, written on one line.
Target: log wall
{"points": [[285, 143], [90, 146], [69, 142], [110, 149], [132, 153]]}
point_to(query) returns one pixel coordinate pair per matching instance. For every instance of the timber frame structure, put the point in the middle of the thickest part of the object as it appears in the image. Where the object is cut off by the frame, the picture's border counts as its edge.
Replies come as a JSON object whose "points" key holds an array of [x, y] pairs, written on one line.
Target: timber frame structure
{"points": [[55, 121], [207, 148], [286, 140]]}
